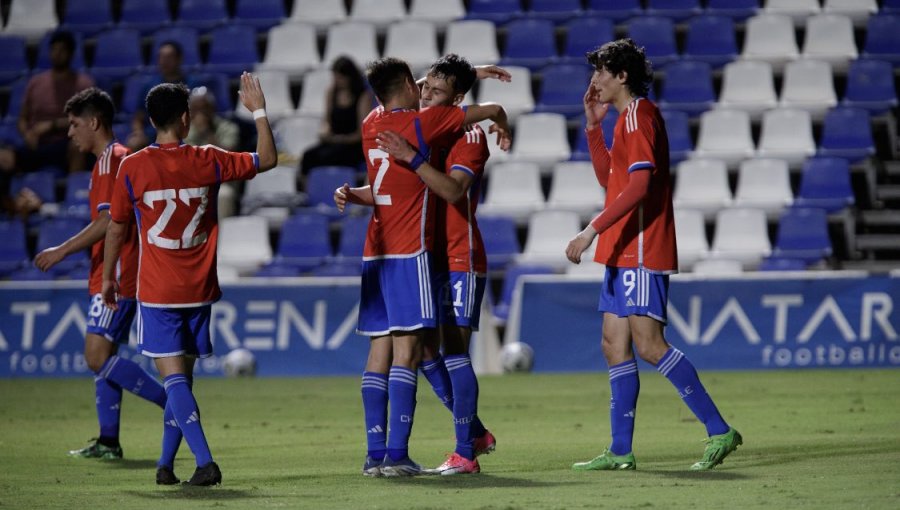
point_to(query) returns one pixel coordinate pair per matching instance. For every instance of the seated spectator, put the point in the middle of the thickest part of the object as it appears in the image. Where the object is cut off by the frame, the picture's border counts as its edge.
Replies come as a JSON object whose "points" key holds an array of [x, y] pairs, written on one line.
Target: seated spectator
{"points": [[207, 127]]}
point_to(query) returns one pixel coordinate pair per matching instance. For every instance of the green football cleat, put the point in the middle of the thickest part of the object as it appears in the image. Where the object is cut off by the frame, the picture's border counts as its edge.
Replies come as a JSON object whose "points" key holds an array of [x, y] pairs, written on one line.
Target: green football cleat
{"points": [[607, 461], [717, 448], [98, 451]]}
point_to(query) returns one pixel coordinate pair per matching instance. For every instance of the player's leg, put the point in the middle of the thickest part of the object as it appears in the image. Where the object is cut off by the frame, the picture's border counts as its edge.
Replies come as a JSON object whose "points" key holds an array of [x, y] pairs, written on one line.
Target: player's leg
{"points": [[374, 389], [434, 370], [402, 385], [108, 398]]}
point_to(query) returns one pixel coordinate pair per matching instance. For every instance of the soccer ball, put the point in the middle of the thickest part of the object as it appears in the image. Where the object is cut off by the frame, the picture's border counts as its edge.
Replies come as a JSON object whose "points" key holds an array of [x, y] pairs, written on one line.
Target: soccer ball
{"points": [[239, 363], [517, 357]]}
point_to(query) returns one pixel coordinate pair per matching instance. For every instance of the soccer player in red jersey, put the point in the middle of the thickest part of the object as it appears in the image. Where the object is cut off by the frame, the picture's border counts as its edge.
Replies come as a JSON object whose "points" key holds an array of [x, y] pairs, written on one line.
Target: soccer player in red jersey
{"points": [[90, 114], [637, 245], [171, 188]]}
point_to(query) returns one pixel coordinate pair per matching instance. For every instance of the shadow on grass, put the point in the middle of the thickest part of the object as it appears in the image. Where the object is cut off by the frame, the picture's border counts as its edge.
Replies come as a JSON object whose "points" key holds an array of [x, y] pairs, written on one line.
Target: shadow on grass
{"points": [[712, 475], [195, 493], [476, 482], [131, 464]]}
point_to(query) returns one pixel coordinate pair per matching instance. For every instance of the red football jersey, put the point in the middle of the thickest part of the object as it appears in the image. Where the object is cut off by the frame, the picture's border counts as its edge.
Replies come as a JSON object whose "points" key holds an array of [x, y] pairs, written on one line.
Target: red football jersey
{"points": [[103, 179], [465, 249], [645, 237], [402, 223], [172, 190]]}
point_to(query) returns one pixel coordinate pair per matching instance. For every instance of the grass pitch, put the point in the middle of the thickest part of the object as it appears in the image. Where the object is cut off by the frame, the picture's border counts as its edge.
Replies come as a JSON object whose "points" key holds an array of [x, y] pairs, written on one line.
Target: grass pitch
{"points": [[812, 439]]}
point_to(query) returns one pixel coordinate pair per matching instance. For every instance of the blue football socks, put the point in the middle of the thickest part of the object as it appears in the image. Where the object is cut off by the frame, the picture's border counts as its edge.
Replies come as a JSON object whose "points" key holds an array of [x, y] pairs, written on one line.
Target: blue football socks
{"points": [[130, 376], [624, 385], [436, 372], [402, 386], [375, 406], [109, 406], [187, 415], [465, 402], [682, 374]]}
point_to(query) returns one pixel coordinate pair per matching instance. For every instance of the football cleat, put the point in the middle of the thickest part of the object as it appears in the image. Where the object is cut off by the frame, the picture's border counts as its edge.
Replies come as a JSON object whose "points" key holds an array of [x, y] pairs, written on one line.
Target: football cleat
{"points": [[717, 448], [98, 451], [372, 467], [402, 467], [607, 461], [456, 464], [206, 475], [165, 476], [485, 444]]}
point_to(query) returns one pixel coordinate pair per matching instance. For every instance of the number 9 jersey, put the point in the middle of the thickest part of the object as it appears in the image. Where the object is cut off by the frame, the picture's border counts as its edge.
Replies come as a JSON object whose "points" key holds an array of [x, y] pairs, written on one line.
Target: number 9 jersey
{"points": [[172, 190]]}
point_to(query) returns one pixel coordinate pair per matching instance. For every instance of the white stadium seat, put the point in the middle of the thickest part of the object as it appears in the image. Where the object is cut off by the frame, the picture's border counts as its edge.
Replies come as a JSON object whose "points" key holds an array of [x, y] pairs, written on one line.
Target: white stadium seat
{"points": [[437, 11], [244, 243], [764, 183], [748, 85], [787, 134], [702, 184], [690, 236], [809, 85], [474, 39], [415, 42], [541, 138], [291, 48], [770, 37], [829, 37], [356, 40], [575, 188], [515, 96], [741, 234], [549, 232], [320, 13], [513, 189], [726, 135]]}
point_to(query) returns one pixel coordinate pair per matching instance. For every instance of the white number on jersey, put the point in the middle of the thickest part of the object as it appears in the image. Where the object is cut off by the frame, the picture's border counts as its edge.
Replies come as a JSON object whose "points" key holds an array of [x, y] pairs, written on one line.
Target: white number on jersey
{"points": [[375, 155], [188, 238]]}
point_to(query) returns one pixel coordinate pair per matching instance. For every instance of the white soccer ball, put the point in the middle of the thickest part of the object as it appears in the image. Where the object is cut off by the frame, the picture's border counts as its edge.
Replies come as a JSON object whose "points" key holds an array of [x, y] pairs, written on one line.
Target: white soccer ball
{"points": [[517, 357], [239, 363]]}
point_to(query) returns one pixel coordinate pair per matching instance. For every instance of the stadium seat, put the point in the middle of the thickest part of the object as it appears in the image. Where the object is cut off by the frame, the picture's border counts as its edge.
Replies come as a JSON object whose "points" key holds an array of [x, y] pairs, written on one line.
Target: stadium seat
{"points": [[514, 190], [541, 138], [232, 49], [510, 280], [718, 267], [145, 16], [770, 38], [657, 35], [352, 240], [741, 234], [186, 37], [583, 34], [337, 269], [890, 7], [305, 242], [54, 232], [13, 250], [808, 85], [476, 39], [244, 243], [702, 184], [14, 105], [797, 10], [354, 39], [764, 184], [439, 12], [218, 84], [291, 48], [501, 243], [13, 61], [883, 38], [277, 269], [829, 38], [556, 11], [321, 183], [30, 273], [279, 104], [787, 134], [588, 268], [549, 232], [381, 13], [847, 133], [825, 184], [203, 15], [690, 235], [782, 264], [415, 42], [803, 235], [296, 134], [615, 10], [582, 151], [495, 11], [857, 10], [515, 96], [261, 14], [41, 182], [738, 10], [77, 201], [275, 188], [678, 10], [87, 16], [574, 187], [31, 18], [711, 39], [320, 13], [749, 86], [725, 134], [560, 92], [312, 93], [679, 130], [118, 54], [688, 86], [870, 85], [530, 43]]}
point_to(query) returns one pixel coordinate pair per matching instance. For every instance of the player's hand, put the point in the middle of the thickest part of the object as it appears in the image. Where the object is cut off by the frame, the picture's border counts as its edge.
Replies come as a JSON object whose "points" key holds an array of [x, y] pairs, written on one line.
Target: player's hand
{"points": [[504, 140], [396, 146], [110, 294], [49, 258], [491, 71], [251, 92], [594, 110], [580, 243], [341, 197]]}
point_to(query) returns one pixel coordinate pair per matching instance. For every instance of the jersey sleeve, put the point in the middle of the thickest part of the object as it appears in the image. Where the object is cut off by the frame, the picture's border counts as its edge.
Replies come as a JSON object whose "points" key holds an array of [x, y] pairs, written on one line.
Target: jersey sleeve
{"points": [[121, 196], [470, 153], [103, 183], [438, 123], [234, 166], [640, 137]]}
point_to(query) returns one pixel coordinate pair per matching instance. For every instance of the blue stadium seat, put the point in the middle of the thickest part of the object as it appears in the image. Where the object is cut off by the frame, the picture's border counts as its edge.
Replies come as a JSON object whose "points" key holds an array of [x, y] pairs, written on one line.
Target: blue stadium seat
{"points": [[13, 61], [581, 151], [275, 269], [513, 272], [847, 133], [13, 251], [870, 85], [31, 274], [554, 10], [321, 183], [118, 54], [738, 10], [679, 131], [56, 231], [137, 84], [688, 86], [615, 10], [678, 10], [890, 7], [77, 203], [201, 14], [232, 49], [41, 182], [657, 35], [352, 240], [261, 14], [145, 16], [803, 235], [82, 272], [9, 135], [338, 269], [782, 264], [186, 37], [305, 242], [825, 184], [496, 11], [14, 105], [530, 43], [43, 56], [883, 38], [501, 243], [584, 34], [218, 83], [87, 16], [711, 39], [560, 92]]}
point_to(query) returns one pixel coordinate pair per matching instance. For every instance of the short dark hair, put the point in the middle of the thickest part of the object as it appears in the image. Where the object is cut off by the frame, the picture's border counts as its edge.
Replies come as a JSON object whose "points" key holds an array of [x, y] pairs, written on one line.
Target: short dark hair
{"points": [[64, 37], [458, 72], [387, 76], [166, 103], [624, 55], [175, 46], [92, 102]]}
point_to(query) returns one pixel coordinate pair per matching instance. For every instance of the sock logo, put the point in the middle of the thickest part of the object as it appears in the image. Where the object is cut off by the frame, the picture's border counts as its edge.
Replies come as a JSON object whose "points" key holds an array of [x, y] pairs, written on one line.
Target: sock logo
{"points": [[464, 420], [685, 392], [115, 407], [629, 414], [171, 423], [138, 385], [405, 418], [375, 430], [192, 418]]}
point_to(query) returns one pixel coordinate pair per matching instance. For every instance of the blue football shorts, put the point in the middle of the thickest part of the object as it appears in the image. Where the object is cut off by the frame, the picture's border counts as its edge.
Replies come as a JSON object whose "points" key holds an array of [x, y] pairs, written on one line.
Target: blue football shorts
{"points": [[113, 325], [460, 295], [635, 291], [396, 295], [167, 332]]}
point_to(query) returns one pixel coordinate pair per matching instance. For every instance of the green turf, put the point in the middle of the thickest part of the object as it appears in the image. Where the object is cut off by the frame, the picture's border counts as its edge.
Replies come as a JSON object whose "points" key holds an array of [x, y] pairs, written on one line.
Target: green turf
{"points": [[812, 439]]}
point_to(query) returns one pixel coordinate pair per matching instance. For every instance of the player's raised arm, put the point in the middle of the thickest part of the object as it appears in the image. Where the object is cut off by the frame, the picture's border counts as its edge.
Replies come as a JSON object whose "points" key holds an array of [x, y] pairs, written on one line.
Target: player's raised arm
{"points": [[253, 99], [449, 187], [496, 113]]}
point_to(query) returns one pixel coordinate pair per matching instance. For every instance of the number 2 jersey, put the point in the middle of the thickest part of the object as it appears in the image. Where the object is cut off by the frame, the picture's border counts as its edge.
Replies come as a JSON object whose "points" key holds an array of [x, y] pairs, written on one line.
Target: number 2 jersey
{"points": [[103, 180], [402, 223], [172, 189]]}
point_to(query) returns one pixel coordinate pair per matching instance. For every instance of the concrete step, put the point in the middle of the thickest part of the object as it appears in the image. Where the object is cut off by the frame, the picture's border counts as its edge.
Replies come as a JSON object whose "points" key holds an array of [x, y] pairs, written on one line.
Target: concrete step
{"points": [[888, 191], [878, 242], [875, 266], [880, 218]]}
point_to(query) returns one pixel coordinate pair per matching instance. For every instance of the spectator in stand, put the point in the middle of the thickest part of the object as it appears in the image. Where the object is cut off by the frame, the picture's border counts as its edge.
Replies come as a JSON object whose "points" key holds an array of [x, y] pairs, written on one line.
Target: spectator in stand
{"points": [[207, 127]]}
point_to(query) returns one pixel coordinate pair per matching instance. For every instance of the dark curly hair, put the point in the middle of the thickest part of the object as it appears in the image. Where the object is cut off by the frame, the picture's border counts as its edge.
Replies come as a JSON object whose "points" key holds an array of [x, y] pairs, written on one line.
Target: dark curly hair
{"points": [[92, 102], [456, 70], [624, 55], [166, 103]]}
